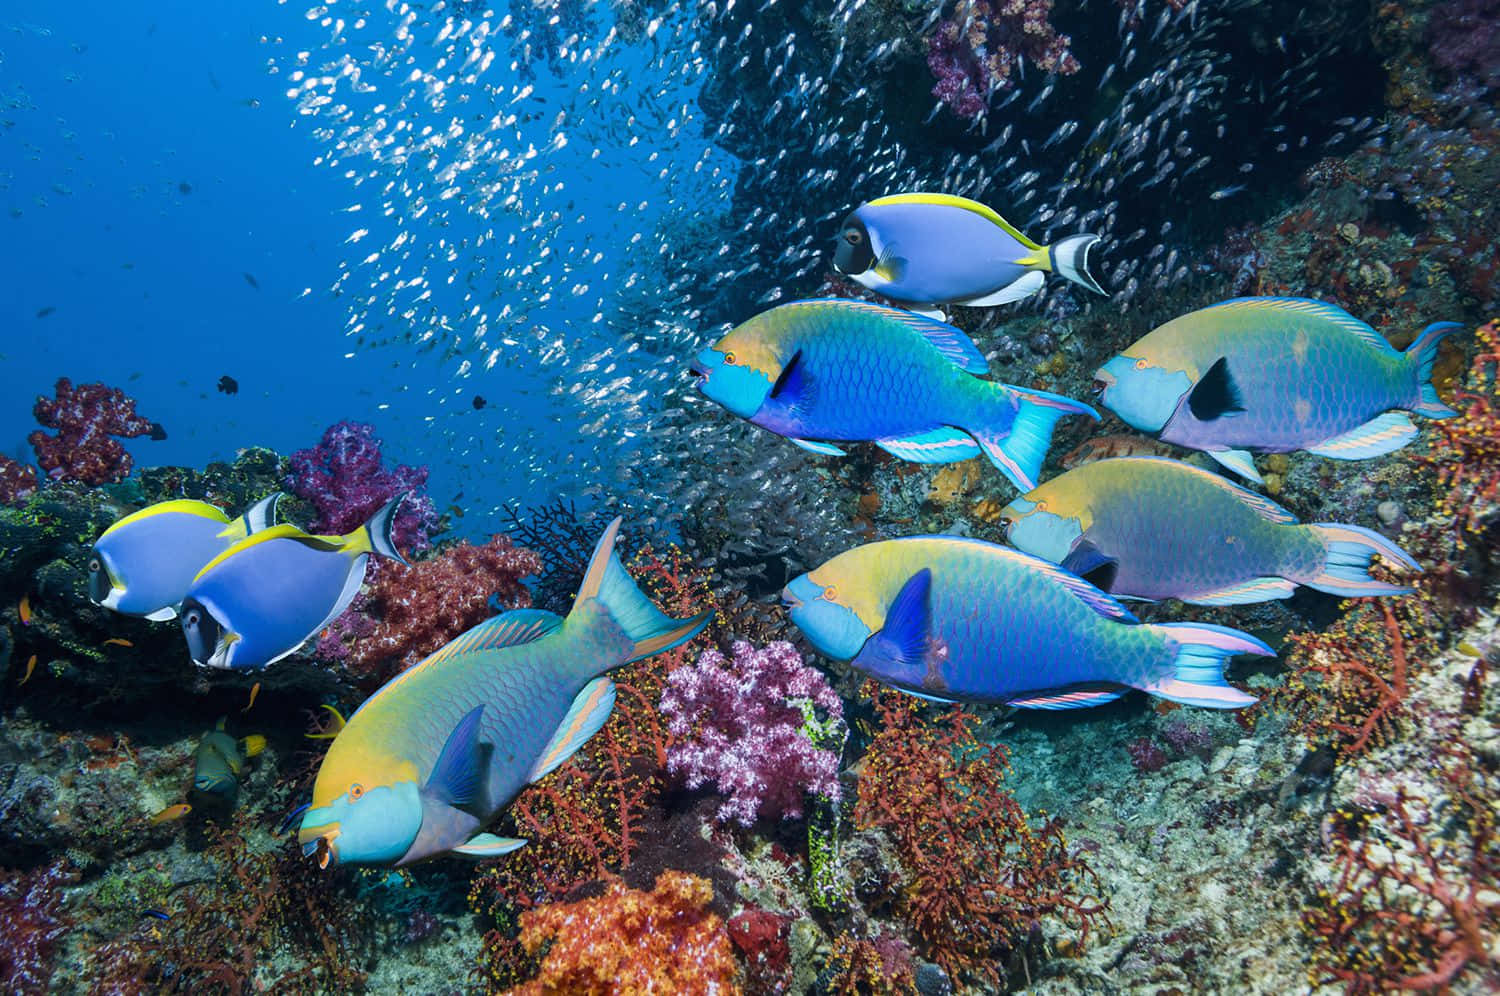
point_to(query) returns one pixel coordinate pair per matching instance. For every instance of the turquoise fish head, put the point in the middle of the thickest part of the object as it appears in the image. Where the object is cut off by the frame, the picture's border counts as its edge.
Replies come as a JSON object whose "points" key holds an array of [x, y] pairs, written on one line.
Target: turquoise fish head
{"points": [[374, 825], [1141, 393], [737, 386], [829, 623], [1029, 526]]}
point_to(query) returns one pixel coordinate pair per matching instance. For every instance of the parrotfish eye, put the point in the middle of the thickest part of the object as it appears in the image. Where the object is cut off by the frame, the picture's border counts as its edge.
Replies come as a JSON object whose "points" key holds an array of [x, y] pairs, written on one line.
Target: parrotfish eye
{"points": [[1041, 506], [853, 236], [830, 593], [1141, 364], [355, 791], [729, 358]]}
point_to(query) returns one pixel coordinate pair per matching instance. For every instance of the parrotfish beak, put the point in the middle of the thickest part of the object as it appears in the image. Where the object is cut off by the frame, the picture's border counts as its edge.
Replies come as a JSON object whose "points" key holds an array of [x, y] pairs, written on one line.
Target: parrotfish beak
{"points": [[1142, 394], [319, 842], [739, 388], [1039, 532], [834, 629], [378, 827]]}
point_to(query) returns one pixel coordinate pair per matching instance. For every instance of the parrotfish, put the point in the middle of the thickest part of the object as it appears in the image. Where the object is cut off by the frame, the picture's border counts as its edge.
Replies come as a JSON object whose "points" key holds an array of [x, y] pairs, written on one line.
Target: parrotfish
{"points": [[144, 564], [1147, 527], [835, 369], [957, 619], [932, 249], [1274, 374], [219, 762], [262, 598], [428, 761]]}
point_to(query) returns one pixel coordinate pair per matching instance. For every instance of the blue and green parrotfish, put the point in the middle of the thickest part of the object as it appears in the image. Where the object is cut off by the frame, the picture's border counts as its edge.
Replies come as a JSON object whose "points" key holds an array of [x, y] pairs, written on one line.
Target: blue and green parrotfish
{"points": [[1272, 375], [850, 371], [1152, 528], [144, 564], [934, 249], [424, 766], [262, 598], [958, 619]]}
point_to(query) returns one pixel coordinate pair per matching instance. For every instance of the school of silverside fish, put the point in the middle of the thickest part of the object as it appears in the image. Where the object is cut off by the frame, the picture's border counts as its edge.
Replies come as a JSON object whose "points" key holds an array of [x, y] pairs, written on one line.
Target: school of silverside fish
{"points": [[849, 710]]}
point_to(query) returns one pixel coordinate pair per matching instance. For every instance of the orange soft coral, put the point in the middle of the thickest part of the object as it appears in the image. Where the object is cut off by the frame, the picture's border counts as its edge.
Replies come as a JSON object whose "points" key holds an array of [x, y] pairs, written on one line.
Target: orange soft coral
{"points": [[627, 941]]}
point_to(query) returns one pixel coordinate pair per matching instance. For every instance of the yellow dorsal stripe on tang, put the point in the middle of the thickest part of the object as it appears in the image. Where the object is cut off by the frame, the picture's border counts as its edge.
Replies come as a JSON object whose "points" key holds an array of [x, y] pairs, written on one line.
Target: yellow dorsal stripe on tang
{"points": [[186, 506], [950, 200], [355, 542]]}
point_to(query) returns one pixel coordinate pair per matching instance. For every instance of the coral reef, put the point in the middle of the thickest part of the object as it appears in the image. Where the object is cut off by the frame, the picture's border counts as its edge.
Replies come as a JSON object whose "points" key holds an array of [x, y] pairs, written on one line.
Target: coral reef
{"points": [[345, 481], [627, 941], [17, 481], [31, 907], [86, 418], [748, 725], [973, 53]]}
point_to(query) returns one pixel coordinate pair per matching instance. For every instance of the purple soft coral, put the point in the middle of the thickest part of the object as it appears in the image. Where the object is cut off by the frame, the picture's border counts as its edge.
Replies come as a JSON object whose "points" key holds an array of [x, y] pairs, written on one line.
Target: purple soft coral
{"points": [[345, 482], [1465, 39], [972, 54], [741, 724]]}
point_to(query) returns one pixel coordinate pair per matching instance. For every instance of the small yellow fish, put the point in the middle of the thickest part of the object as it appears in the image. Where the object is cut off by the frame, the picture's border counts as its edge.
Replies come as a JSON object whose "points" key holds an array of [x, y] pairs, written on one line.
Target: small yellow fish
{"points": [[25, 610], [254, 691], [30, 667], [117, 641], [171, 813], [334, 727]]}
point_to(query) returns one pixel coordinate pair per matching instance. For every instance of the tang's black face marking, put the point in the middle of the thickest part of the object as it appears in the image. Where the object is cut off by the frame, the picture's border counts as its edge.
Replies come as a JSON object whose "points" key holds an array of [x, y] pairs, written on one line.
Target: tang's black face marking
{"points": [[201, 629], [100, 582], [853, 255]]}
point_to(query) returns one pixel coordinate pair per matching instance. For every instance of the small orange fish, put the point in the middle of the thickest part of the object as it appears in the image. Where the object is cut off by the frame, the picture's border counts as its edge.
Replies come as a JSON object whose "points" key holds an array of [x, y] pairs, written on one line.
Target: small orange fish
{"points": [[30, 667], [171, 813], [254, 691], [25, 610], [117, 641]]}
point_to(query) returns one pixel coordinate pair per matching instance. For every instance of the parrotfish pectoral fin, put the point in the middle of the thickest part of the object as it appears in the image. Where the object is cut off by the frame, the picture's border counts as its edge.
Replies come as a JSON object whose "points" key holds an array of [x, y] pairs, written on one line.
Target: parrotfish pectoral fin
{"points": [[163, 614], [1070, 259], [1197, 672], [487, 845], [509, 629], [1423, 353], [1077, 699], [456, 778], [1216, 395], [1381, 435], [898, 650], [1238, 461], [792, 386], [1088, 562], [1346, 572], [924, 696], [822, 449], [589, 712], [938, 446], [1019, 448], [652, 630], [1255, 590], [1019, 289], [952, 342]]}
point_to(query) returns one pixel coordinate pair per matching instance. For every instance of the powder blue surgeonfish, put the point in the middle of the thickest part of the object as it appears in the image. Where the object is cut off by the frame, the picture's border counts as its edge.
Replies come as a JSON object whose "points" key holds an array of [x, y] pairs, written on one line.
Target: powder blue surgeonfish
{"points": [[1272, 375], [1147, 527], [262, 598], [144, 563], [425, 765], [932, 249], [958, 619], [835, 369]]}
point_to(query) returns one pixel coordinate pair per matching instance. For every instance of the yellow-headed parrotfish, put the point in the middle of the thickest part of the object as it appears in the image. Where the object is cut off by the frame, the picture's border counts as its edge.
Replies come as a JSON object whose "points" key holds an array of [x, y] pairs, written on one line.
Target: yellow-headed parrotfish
{"points": [[836, 369], [957, 619], [1272, 375], [262, 598], [424, 766], [1148, 527], [220, 760], [932, 249], [144, 564]]}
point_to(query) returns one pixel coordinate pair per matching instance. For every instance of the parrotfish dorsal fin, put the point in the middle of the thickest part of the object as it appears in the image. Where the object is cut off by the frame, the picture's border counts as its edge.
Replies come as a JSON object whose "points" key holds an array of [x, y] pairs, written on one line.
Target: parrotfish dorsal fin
{"points": [[455, 778], [952, 342], [589, 712], [949, 200], [509, 629], [1330, 313], [901, 644], [1265, 507], [1216, 394]]}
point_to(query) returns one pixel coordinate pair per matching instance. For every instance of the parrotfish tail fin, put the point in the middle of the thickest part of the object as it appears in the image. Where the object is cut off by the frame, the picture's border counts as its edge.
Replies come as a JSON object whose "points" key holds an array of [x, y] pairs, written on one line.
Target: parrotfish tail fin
{"points": [[376, 536], [1071, 258], [1346, 572], [1019, 448], [1197, 670], [652, 630], [253, 744], [1423, 353]]}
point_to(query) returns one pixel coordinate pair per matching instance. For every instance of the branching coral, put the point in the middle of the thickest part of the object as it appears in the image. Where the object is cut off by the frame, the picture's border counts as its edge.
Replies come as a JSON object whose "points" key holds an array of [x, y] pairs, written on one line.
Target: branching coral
{"points": [[86, 418], [973, 53], [17, 481], [1417, 898], [631, 942], [979, 877], [346, 483], [34, 924], [748, 725], [1465, 458], [878, 966]]}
